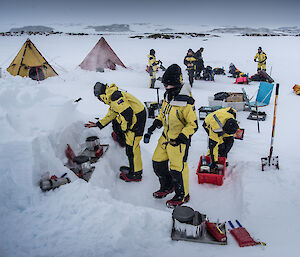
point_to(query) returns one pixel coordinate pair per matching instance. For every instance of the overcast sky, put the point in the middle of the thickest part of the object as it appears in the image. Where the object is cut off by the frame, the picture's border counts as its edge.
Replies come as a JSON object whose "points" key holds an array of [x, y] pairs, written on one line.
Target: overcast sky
{"points": [[97, 12]]}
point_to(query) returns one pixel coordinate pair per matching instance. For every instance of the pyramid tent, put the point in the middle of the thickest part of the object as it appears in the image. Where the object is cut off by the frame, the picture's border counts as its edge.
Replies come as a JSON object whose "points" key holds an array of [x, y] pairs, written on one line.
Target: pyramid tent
{"points": [[29, 62], [101, 57]]}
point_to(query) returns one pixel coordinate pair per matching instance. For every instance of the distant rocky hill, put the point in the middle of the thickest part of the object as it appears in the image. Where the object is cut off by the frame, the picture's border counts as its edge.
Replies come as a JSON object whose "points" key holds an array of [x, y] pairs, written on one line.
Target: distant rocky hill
{"points": [[111, 28], [32, 29]]}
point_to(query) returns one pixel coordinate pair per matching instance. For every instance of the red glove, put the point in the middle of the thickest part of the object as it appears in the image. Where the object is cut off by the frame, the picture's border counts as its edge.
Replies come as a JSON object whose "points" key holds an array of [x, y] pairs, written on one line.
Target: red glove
{"points": [[90, 124]]}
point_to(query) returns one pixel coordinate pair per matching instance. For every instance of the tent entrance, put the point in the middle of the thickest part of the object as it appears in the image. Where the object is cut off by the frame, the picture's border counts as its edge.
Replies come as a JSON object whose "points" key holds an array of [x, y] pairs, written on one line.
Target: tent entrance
{"points": [[36, 73]]}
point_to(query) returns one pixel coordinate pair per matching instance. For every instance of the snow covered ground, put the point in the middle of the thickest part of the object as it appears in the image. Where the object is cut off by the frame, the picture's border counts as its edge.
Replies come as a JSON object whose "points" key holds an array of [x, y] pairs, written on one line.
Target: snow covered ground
{"points": [[108, 217]]}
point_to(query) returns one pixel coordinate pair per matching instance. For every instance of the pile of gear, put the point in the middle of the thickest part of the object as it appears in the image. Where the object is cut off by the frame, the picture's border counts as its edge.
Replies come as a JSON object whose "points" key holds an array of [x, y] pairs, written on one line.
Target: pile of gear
{"points": [[81, 164]]}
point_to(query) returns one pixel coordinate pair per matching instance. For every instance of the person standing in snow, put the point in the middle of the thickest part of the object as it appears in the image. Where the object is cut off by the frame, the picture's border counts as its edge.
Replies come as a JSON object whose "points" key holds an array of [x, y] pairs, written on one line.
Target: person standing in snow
{"points": [[130, 114], [152, 67], [260, 58], [179, 119], [190, 63], [199, 62], [220, 126]]}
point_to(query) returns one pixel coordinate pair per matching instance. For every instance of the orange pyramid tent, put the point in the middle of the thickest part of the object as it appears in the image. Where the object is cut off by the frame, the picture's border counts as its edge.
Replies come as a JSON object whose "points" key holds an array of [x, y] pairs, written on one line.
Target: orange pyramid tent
{"points": [[29, 62], [101, 57]]}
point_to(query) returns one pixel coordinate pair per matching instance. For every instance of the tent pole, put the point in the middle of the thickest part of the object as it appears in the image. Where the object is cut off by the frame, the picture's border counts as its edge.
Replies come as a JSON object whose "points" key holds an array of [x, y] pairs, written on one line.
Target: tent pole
{"points": [[22, 59]]}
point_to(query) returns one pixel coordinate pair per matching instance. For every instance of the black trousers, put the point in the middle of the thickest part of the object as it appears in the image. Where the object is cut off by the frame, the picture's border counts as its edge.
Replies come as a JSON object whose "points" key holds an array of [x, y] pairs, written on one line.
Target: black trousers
{"points": [[191, 76]]}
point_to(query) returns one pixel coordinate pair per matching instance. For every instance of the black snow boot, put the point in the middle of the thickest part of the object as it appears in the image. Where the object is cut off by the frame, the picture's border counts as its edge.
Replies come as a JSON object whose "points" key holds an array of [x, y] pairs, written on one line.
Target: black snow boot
{"points": [[177, 200], [166, 184], [162, 193], [179, 197], [131, 176]]}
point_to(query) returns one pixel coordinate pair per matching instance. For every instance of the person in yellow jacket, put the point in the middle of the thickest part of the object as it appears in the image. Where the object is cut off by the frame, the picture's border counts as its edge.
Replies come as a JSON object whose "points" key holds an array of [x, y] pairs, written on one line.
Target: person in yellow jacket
{"points": [[260, 58], [130, 114], [152, 67], [220, 126], [179, 119], [190, 63]]}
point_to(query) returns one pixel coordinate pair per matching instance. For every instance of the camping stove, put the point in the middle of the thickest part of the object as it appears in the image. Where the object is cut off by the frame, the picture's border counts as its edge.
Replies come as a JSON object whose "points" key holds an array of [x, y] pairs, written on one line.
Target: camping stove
{"points": [[92, 143], [190, 225], [94, 147]]}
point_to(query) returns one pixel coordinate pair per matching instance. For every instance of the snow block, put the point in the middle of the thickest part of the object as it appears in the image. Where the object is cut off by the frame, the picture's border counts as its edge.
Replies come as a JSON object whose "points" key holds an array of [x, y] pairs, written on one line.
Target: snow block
{"points": [[211, 178]]}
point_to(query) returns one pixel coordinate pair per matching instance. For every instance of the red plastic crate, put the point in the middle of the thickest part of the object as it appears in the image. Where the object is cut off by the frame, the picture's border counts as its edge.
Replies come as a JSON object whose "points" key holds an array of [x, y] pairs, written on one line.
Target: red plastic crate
{"points": [[215, 179]]}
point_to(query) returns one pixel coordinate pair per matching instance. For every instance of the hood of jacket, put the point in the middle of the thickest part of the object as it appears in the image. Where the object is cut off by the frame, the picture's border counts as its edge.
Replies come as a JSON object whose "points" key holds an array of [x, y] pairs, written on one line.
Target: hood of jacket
{"points": [[106, 98]]}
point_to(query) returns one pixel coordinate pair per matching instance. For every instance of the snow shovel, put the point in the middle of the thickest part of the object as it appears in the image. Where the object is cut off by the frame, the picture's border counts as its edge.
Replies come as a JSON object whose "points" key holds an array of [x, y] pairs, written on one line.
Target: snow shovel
{"points": [[274, 161]]}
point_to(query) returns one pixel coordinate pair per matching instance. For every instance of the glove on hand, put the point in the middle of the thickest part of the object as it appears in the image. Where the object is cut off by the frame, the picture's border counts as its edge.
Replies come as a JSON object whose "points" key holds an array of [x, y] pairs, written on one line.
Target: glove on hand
{"points": [[147, 137], [181, 139], [220, 133], [90, 124]]}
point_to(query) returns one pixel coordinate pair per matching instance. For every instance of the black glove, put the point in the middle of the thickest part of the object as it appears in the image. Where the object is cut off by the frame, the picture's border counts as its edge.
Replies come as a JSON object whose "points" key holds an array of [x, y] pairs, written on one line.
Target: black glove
{"points": [[181, 139], [220, 133], [255, 60], [156, 124], [147, 137]]}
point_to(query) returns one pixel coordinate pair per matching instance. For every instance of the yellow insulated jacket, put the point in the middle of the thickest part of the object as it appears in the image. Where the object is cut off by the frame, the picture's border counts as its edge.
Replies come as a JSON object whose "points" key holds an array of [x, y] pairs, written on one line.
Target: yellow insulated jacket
{"points": [[152, 62], [122, 104], [178, 117], [212, 126], [190, 62], [260, 58]]}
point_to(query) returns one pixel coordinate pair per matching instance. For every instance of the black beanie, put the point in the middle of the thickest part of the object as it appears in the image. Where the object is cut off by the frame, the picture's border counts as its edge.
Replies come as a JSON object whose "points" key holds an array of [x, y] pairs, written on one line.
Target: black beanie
{"points": [[172, 76], [231, 126], [99, 89], [152, 52]]}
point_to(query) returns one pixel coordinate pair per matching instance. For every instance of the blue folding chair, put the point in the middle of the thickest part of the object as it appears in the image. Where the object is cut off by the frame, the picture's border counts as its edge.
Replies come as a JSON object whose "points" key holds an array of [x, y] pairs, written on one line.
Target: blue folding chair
{"points": [[263, 95]]}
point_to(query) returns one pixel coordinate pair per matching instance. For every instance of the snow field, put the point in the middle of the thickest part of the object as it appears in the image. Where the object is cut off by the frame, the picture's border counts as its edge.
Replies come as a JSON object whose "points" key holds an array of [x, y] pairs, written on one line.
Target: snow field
{"points": [[107, 217]]}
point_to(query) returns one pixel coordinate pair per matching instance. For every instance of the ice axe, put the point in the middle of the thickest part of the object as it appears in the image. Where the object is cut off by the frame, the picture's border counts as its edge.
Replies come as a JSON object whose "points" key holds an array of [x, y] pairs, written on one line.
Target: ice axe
{"points": [[274, 161]]}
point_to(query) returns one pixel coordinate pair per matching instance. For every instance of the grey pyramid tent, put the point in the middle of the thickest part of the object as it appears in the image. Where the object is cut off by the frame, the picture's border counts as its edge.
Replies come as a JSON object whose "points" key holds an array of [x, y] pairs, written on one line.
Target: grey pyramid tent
{"points": [[101, 57]]}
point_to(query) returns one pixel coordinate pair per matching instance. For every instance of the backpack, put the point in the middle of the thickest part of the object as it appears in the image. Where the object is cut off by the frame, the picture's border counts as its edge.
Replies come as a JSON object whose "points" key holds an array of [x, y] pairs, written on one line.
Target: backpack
{"points": [[258, 77], [242, 80], [221, 96], [219, 71], [208, 74]]}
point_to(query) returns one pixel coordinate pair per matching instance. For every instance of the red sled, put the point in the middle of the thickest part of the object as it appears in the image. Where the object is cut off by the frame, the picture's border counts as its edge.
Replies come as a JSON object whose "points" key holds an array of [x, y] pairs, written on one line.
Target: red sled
{"points": [[242, 236], [211, 178], [242, 80]]}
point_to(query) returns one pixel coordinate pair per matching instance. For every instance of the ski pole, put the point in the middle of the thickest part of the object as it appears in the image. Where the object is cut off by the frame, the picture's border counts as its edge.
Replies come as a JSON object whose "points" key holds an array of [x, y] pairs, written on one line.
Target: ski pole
{"points": [[257, 117], [274, 120]]}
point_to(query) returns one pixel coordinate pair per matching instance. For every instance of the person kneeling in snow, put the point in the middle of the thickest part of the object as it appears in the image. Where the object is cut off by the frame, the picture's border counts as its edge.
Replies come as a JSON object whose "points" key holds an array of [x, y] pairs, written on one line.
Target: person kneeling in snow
{"points": [[130, 114], [220, 126], [179, 119]]}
